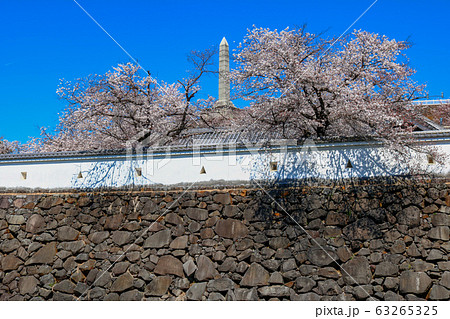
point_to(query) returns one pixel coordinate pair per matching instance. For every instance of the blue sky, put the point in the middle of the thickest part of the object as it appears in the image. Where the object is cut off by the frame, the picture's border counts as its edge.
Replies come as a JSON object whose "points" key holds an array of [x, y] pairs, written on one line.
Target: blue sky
{"points": [[43, 41]]}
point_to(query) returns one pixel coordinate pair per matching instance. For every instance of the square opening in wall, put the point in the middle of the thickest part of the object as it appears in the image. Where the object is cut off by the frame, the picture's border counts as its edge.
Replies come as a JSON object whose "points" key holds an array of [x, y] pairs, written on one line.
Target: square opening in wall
{"points": [[430, 160], [24, 175], [273, 166], [138, 171]]}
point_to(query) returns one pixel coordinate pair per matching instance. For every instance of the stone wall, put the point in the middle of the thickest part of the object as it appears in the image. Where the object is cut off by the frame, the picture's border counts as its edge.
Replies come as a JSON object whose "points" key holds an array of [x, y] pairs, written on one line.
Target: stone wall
{"points": [[392, 242]]}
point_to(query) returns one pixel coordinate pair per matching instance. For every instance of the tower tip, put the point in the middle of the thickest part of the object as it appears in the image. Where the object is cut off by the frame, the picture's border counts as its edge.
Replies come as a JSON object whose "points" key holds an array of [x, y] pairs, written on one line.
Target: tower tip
{"points": [[224, 41]]}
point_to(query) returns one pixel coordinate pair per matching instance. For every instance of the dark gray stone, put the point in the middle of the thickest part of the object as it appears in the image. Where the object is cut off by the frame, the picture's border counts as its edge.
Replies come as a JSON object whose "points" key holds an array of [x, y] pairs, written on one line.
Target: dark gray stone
{"points": [[8, 246], [363, 229], [44, 255], [197, 213], [122, 283], [159, 286], [357, 269], [329, 287], [231, 228], [65, 286], [274, 291], [221, 284], [35, 224], [216, 296], [321, 256], [445, 280], [98, 237], [310, 296], [304, 284], [179, 242], [189, 267], [169, 265], [196, 291], [158, 240], [10, 262], [414, 282], [439, 233], [121, 237], [386, 269], [96, 293], [27, 285], [256, 275], [279, 242], [439, 293], [224, 199], [409, 216], [66, 233], [205, 269]]}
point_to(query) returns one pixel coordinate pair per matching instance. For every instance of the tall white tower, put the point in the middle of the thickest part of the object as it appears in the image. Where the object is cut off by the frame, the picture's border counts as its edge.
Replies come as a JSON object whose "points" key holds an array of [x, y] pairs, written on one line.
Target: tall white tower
{"points": [[224, 72]]}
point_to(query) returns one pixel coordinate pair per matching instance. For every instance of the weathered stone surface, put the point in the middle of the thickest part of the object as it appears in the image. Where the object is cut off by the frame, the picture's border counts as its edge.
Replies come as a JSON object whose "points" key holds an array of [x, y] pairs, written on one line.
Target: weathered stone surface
{"points": [[169, 265], [386, 269], [15, 219], [440, 219], [363, 229], [179, 242], [158, 240], [274, 291], [197, 213], [221, 284], [44, 255], [173, 218], [304, 284], [445, 280], [65, 286], [196, 291], [439, 232], [256, 275], [205, 269], [121, 237], [122, 283], [35, 224], [279, 242], [159, 286], [310, 296], [98, 237], [409, 216], [329, 287], [439, 293], [224, 199], [8, 246], [73, 246], [50, 201], [321, 256], [414, 282], [27, 285], [133, 295], [10, 262], [189, 267], [357, 269], [113, 222], [66, 233], [231, 228]]}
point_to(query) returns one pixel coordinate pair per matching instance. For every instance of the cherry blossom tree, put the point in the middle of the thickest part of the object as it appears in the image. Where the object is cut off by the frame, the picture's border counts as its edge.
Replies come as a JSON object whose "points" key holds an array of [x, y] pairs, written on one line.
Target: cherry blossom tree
{"points": [[7, 147], [302, 85], [110, 110]]}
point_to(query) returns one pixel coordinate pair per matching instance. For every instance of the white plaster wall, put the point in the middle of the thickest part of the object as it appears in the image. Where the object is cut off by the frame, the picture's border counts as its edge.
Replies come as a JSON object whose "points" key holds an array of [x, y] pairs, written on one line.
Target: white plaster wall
{"points": [[119, 171]]}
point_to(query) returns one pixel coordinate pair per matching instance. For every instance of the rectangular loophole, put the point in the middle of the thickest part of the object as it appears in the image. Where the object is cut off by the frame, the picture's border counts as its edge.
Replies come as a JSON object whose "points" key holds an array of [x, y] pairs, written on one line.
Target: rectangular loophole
{"points": [[430, 160], [138, 171], [24, 175], [273, 166]]}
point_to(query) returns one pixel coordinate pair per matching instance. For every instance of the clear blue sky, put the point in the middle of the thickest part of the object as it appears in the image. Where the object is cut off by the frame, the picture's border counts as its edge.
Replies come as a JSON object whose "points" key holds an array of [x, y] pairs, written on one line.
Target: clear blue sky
{"points": [[43, 41]]}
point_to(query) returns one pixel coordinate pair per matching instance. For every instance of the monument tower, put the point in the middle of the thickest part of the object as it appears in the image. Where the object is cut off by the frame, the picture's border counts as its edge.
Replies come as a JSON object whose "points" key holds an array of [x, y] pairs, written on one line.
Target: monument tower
{"points": [[224, 72]]}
